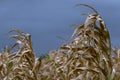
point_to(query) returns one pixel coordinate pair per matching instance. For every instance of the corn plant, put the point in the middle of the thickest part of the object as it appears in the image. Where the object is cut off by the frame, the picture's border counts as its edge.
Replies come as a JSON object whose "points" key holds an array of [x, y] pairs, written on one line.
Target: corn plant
{"points": [[88, 55]]}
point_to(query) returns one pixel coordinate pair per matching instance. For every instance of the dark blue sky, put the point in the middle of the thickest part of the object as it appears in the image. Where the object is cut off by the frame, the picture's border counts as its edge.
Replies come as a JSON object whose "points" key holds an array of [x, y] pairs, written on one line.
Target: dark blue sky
{"points": [[46, 19]]}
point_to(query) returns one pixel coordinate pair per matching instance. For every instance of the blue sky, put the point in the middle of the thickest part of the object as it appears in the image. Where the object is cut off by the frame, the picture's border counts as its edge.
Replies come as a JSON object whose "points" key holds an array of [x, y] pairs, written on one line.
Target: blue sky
{"points": [[46, 19]]}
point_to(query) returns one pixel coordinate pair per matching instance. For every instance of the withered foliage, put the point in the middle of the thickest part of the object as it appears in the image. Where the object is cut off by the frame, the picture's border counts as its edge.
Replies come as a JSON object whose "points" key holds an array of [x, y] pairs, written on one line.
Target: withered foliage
{"points": [[88, 56]]}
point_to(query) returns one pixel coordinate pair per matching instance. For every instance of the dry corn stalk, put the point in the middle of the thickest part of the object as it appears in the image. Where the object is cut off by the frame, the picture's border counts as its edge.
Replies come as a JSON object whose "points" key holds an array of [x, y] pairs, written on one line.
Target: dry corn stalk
{"points": [[87, 56]]}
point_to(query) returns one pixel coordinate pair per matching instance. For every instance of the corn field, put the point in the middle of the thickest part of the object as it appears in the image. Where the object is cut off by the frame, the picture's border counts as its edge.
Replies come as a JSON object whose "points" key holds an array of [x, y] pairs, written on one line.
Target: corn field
{"points": [[88, 55]]}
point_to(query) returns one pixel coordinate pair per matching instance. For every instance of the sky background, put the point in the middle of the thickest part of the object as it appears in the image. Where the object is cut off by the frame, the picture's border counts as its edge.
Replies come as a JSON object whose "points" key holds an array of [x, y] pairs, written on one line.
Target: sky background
{"points": [[47, 19]]}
